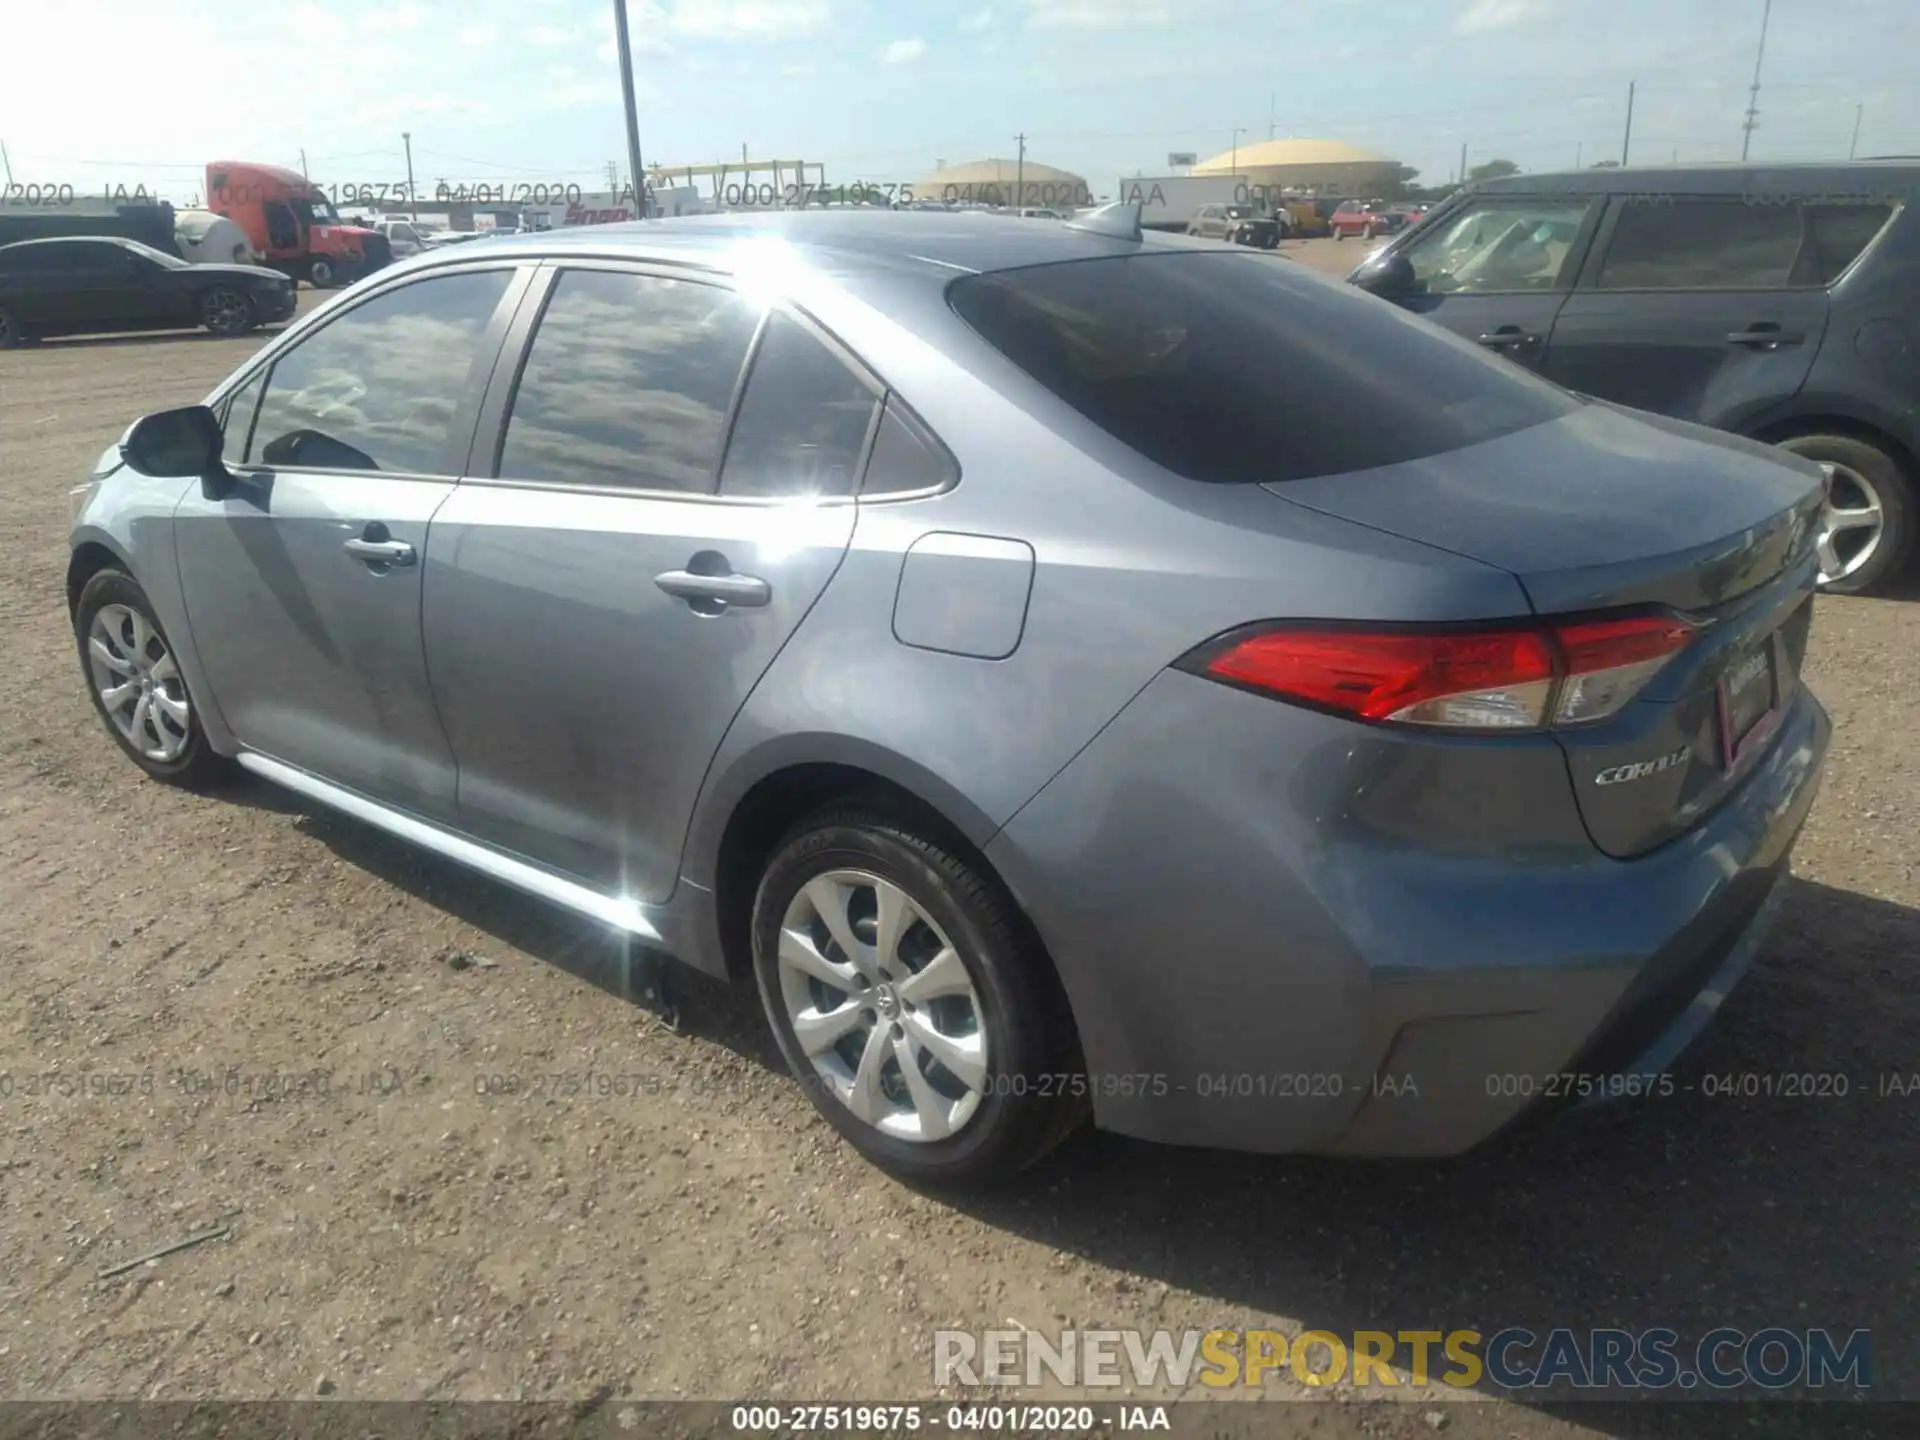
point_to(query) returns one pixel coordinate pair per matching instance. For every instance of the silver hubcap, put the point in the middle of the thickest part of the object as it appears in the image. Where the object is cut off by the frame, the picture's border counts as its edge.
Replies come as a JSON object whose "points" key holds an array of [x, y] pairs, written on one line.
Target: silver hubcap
{"points": [[1851, 523], [138, 684], [226, 310], [883, 1006]]}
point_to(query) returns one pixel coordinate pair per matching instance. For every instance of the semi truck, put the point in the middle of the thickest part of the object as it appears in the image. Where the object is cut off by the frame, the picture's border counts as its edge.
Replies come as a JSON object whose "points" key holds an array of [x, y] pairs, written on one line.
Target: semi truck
{"points": [[1169, 202], [293, 225]]}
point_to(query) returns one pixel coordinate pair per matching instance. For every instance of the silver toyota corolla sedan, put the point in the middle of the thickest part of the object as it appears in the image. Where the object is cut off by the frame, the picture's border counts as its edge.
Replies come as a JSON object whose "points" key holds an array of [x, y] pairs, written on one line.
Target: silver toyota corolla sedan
{"points": [[1069, 672]]}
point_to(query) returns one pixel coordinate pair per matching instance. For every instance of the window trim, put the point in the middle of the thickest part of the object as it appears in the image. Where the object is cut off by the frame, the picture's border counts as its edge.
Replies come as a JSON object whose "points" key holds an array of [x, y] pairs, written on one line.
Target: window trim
{"points": [[1617, 206], [1580, 250], [915, 422], [490, 436], [459, 429]]}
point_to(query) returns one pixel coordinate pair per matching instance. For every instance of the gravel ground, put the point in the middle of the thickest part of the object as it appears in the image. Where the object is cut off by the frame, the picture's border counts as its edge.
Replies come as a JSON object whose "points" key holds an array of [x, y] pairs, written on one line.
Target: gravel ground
{"points": [[406, 1234]]}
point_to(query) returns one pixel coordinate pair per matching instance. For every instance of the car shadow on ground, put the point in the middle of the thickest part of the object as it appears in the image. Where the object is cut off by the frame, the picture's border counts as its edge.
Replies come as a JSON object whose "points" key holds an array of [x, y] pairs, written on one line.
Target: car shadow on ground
{"points": [[1773, 1187]]}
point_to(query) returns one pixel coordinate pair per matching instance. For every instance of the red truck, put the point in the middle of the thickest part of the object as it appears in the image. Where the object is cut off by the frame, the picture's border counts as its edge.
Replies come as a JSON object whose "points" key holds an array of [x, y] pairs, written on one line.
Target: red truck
{"points": [[293, 225]]}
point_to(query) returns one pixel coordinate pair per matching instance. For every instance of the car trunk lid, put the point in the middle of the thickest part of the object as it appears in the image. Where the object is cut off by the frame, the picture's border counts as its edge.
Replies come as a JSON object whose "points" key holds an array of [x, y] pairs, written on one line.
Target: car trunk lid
{"points": [[1608, 510]]}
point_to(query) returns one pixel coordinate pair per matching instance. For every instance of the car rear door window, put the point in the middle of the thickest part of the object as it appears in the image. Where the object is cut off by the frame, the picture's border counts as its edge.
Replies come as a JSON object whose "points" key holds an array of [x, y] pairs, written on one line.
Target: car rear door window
{"points": [[377, 388], [1838, 233], [628, 383], [803, 421], [1216, 366], [906, 457], [1685, 244]]}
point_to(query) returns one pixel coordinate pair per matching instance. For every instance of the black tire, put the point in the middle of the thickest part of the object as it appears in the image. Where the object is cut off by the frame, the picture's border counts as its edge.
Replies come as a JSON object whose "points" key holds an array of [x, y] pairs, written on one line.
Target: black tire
{"points": [[227, 312], [1029, 1103], [1893, 487], [323, 274], [12, 335], [1339, 234], [198, 765]]}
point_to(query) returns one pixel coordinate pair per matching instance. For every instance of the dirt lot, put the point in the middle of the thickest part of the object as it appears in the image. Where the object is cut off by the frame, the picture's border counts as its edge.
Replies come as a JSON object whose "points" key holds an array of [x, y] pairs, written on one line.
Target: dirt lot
{"points": [[405, 1234]]}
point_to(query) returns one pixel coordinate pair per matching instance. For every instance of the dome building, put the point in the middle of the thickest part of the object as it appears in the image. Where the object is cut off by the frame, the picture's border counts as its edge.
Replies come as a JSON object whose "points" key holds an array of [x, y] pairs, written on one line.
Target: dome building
{"points": [[1317, 167], [993, 182]]}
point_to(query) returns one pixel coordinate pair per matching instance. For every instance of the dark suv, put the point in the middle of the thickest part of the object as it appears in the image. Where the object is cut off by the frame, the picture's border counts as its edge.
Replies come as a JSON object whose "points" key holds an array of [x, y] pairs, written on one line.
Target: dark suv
{"points": [[1780, 302]]}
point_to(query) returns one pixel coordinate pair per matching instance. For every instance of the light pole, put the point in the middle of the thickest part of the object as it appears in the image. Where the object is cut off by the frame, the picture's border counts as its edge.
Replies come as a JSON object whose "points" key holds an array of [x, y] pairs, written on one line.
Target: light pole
{"points": [[1238, 131], [1020, 173], [1752, 121], [413, 199], [1626, 140], [633, 114], [1854, 148]]}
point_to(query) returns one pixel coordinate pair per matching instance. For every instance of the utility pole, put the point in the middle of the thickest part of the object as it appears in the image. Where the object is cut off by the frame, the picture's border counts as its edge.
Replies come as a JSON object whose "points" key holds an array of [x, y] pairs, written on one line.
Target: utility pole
{"points": [[1626, 140], [613, 181], [303, 165], [1579, 147], [413, 199], [1238, 131], [1020, 172], [633, 113], [1752, 121], [1463, 162], [1854, 148], [7, 163]]}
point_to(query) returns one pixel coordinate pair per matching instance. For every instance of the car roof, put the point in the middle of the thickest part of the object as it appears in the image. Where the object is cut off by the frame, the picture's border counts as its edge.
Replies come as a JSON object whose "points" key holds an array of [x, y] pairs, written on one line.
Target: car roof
{"points": [[122, 240], [1870, 179], [846, 243]]}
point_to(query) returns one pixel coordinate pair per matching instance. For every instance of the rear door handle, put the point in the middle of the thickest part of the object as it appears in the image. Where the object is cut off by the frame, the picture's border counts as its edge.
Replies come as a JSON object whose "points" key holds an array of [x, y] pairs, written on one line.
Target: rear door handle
{"points": [[745, 591], [1508, 335], [1765, 337]]}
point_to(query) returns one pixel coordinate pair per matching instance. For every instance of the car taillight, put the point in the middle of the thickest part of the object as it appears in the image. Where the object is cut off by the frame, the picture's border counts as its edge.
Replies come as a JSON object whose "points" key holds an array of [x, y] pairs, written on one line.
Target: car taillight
{"points": [[1522, 678]]}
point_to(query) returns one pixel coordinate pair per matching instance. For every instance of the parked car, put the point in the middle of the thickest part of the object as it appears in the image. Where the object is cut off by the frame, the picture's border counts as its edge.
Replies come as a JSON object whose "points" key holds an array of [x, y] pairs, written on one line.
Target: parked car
{"points": [[1242, 224], [404, 236], [99, 284], [1365, 218], [1025, 804], [1778, 302]]}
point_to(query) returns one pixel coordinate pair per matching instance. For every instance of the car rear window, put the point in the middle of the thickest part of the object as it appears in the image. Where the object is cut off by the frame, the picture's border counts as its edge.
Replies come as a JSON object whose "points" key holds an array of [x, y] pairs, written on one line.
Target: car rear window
{"points": [[1240, 370]]}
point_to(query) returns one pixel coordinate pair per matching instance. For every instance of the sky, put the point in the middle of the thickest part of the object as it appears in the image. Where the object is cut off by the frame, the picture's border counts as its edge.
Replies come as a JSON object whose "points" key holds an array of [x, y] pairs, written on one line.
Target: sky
{"points": [[106, 93]]}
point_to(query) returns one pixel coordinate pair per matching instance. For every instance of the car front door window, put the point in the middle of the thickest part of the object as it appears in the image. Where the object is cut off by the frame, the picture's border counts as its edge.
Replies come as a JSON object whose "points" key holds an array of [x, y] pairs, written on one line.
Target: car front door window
{"points": [[377, 389], [1499, 248]]}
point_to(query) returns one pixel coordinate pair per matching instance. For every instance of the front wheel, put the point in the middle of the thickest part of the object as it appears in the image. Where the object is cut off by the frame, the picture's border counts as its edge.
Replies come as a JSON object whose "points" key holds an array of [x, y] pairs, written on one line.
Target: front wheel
{"points": [[1339, 234], [136, 684], [322, 274], [910, 1002], [227, 312], [1866, 526]]}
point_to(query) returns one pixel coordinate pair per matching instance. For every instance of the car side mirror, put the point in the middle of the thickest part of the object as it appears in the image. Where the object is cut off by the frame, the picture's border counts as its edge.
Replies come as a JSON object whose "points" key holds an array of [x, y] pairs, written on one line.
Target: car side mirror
{"points": [[1388, 275], [177, 444]]}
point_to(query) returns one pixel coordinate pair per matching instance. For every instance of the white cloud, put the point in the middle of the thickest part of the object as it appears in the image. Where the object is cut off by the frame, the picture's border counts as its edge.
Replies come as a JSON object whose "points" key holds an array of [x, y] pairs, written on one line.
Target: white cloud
{"points": [[1097, 14], [549, 37], [1484, 15], [804, 67], [978, 20], [401, 17], [476, 37], [903, 52], [750, 19], [311, 23]]}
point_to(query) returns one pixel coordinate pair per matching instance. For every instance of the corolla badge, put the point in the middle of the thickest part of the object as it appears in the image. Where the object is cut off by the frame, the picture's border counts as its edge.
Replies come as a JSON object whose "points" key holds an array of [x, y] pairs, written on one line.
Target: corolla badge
{"points": [[1640, 769]]}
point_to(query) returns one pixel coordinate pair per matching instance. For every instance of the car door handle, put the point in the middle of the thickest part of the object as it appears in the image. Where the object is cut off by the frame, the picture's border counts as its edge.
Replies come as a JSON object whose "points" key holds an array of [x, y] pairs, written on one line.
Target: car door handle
{"points": [[1765, 337], [745, 591], [381, 552], [1508, 335]]}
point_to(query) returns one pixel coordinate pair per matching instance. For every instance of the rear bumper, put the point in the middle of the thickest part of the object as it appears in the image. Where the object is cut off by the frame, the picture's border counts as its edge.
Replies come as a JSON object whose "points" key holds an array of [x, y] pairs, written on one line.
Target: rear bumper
{"points": [[1267, 947]]}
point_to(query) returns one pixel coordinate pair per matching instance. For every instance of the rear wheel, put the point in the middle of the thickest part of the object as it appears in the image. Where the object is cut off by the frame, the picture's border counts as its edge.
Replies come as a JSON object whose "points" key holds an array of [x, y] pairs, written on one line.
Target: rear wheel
{"points": [[225, 311], [1866, 526], [136, 683], [322, 274], [908, 1001], [1338, 233]]}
